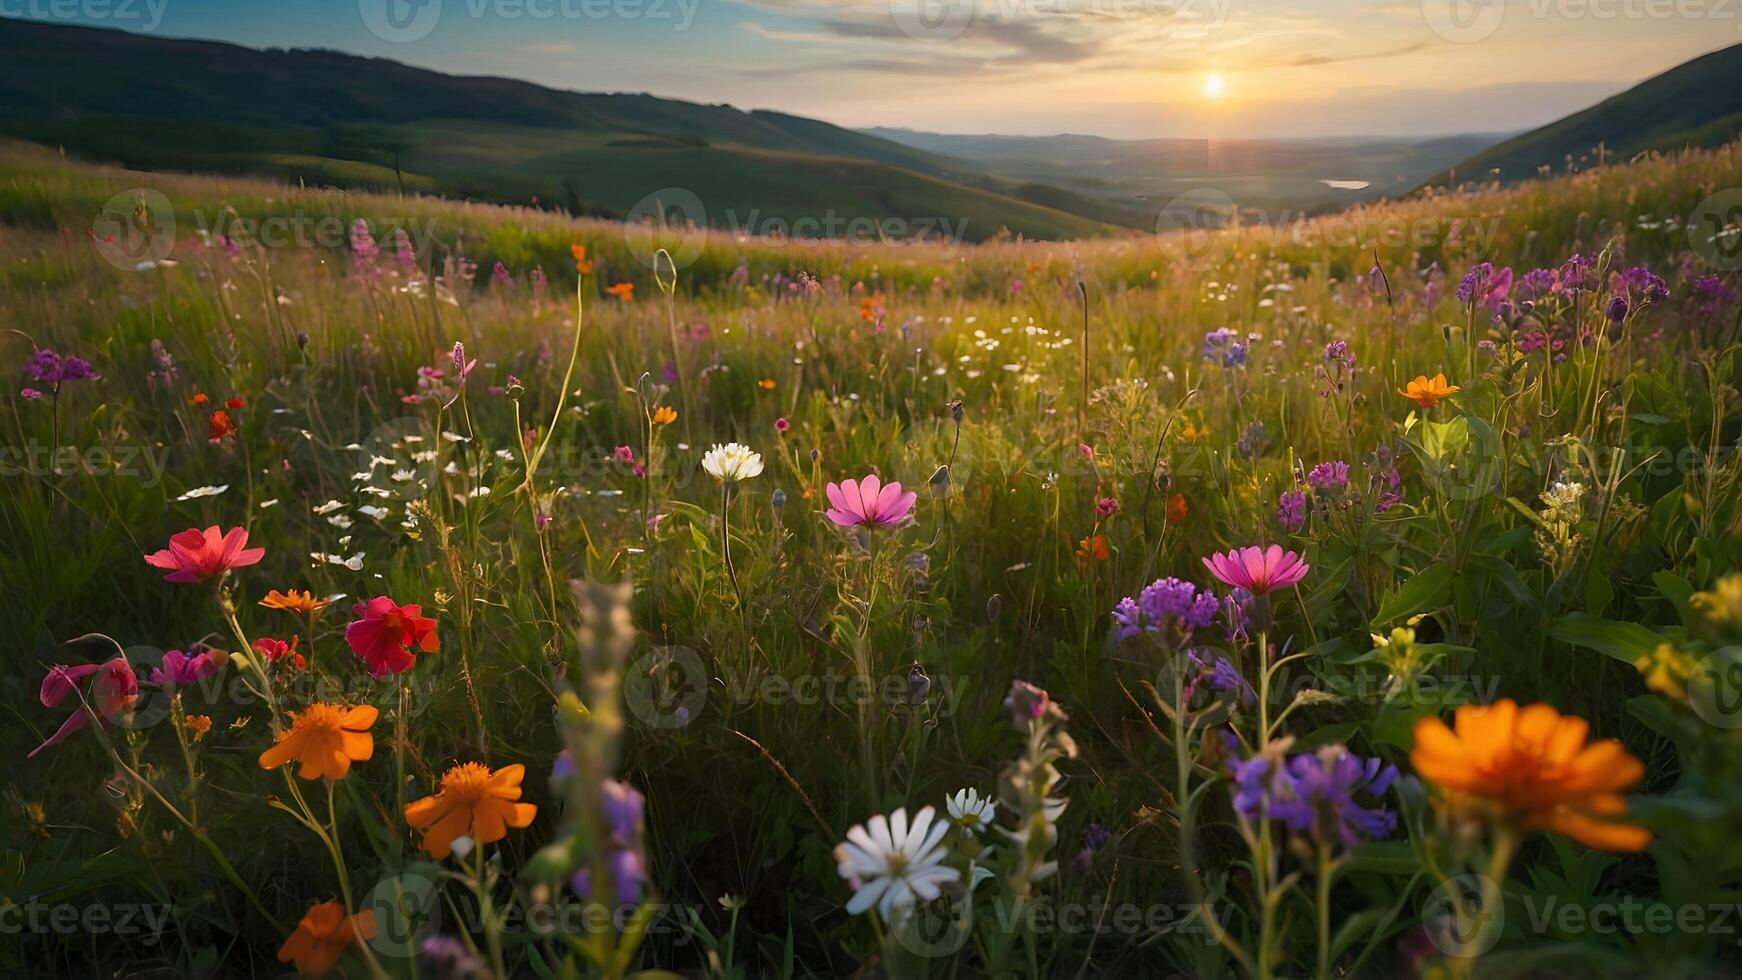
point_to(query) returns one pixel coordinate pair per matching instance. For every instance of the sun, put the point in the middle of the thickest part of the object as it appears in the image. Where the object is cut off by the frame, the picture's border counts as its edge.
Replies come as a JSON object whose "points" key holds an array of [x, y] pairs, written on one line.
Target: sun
{"points": [[1215, 86]]}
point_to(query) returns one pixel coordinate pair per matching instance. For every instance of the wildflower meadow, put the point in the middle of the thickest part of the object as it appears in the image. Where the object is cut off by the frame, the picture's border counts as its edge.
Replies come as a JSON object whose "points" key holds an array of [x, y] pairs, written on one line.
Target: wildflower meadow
{"points": [[398, 587]]}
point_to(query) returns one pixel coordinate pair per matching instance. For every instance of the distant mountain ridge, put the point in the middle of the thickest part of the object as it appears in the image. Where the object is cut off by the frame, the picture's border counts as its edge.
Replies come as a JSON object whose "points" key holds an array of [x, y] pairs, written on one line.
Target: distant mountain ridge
{"points": [[1695, 104], [325, 116]]}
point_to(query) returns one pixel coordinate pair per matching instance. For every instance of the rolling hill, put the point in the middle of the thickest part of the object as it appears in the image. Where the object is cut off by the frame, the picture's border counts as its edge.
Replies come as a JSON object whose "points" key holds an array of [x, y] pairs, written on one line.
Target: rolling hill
{"points": [[1695, 104], [328, 117]]}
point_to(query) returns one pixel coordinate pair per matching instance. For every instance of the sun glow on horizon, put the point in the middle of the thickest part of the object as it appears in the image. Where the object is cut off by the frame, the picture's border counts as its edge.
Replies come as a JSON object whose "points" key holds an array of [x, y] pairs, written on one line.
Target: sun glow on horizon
{"points": [[1215, 86]]}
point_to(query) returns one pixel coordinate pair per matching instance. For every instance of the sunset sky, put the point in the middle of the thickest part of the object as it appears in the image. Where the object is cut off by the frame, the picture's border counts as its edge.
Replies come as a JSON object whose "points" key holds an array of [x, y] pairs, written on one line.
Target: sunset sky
{"points": [[1124, 68]]}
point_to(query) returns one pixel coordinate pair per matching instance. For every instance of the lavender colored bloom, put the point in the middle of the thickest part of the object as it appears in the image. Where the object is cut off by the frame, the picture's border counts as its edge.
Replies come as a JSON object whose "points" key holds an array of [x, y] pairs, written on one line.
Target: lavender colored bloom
{"points": [[1331, 479], [1252, 440], [1314, 794], [181, 670], [1338, 351], [1235, 609], [1470, 287], [446, 958], [1617, 310], [623, 809], [1537, 282], [1291, 511], [1224, 347], [48, 367], [1096, 837], [1167, 604], [363, 251]]}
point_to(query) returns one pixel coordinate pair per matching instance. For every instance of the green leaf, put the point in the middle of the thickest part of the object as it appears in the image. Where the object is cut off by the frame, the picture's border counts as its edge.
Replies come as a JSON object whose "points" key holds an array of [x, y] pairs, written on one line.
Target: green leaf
{"points": [[1626, 642], [1425, 590]]}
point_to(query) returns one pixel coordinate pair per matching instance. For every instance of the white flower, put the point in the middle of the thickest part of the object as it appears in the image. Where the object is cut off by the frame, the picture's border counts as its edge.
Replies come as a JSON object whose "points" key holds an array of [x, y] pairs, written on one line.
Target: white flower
{"points": [[732, 462], [891, 864], [971, 811], [198, 492]]}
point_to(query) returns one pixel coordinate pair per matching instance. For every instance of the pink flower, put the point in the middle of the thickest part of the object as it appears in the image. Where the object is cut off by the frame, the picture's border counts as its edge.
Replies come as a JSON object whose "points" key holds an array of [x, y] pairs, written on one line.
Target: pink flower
{"points": [[1258, 570], [180, 670], [112, 693], [386, 634], [194, 555], [1106, 507], [868, 502]]}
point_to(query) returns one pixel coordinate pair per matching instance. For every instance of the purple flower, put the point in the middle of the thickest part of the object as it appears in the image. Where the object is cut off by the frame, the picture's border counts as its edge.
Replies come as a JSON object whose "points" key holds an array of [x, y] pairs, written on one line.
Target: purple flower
{"points": [[1252, 440], [1224, 347], [1537, 282], [363, 251], [1106, 507], [500, 275], [1313, 794], [1168, 604], [1617, 310], [1096, 837], [1338, 351], [1291, 511], [1331, 479], [181, 670], [47, 367], [623, 810], [446, 958], [1026, 702]]}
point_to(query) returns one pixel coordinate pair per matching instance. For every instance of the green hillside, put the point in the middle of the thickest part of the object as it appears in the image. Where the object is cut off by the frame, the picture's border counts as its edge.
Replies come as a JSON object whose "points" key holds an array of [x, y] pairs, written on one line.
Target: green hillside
{"points": [[1696, 104], [327, 117]]}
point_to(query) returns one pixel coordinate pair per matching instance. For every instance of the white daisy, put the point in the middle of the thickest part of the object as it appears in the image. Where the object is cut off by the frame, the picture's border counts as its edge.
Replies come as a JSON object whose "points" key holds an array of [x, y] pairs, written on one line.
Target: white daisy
{"points": [[732, 462], [198, 492], [971, 811], [891, 864]]}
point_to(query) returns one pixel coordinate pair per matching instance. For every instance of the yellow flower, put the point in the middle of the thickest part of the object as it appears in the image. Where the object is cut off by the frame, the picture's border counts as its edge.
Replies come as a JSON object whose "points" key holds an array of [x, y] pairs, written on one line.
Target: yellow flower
{"points": [[473, 802], [325, 739], [664, 415], [1534, 766], [1428, 393]]}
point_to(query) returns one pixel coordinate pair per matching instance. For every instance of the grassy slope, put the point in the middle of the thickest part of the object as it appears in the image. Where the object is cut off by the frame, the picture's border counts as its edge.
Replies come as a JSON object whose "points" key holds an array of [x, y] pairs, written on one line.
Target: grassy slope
{"points": [[1694, 104], [168, 104]]}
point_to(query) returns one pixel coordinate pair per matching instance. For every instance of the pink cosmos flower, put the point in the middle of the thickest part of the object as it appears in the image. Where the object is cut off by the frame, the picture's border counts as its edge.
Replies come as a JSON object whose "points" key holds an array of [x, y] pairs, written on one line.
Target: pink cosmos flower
{"points": [[389, 636], [112, 693], [868, 503], [181, 670], [194, 555], [1258, 570]]}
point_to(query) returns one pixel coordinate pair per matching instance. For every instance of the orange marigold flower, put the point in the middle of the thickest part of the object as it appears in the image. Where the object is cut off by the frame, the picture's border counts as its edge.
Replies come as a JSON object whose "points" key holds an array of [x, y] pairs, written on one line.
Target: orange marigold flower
{"points": [[198, 725], [1177, 508], [624, 291], [292, 601], [323, 935], [664, 415], [218, 425], [325, 739], [1534, 765], [1428, 393], [473, 802], [583, 265]]}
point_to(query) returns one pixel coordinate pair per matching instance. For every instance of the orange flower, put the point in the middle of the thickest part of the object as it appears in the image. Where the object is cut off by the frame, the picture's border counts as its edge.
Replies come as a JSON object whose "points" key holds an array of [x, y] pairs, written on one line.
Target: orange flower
{"points": [[664, 415], [766, 383], [326, 739], [323, 935], [624, 291], [199, 398], [1533, 764], [1177, 508], [219, 425], [198, 725], [473, 802], [1091, 549], [1427, 393], [583, 265], [292, 601], [1191, 433], [870, 307]]}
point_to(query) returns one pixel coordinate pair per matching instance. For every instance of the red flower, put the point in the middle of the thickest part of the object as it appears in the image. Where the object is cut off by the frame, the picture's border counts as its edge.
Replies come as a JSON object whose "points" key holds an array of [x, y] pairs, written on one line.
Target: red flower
{"points": [[234, 403], [219, 425], [112, 694], [193, 554], [275, 650], [386, 635]]}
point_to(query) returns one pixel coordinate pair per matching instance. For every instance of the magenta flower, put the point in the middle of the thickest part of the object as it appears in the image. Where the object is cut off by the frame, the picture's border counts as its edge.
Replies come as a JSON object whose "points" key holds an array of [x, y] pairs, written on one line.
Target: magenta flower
{"points": [[181, 670], [1258, 570], [193, 555], [868, 502], [112, 694]]}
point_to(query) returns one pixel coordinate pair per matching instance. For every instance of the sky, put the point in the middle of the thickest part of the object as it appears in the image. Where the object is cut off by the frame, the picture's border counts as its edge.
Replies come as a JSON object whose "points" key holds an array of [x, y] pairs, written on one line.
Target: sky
{"points": [[1120, 68]]}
